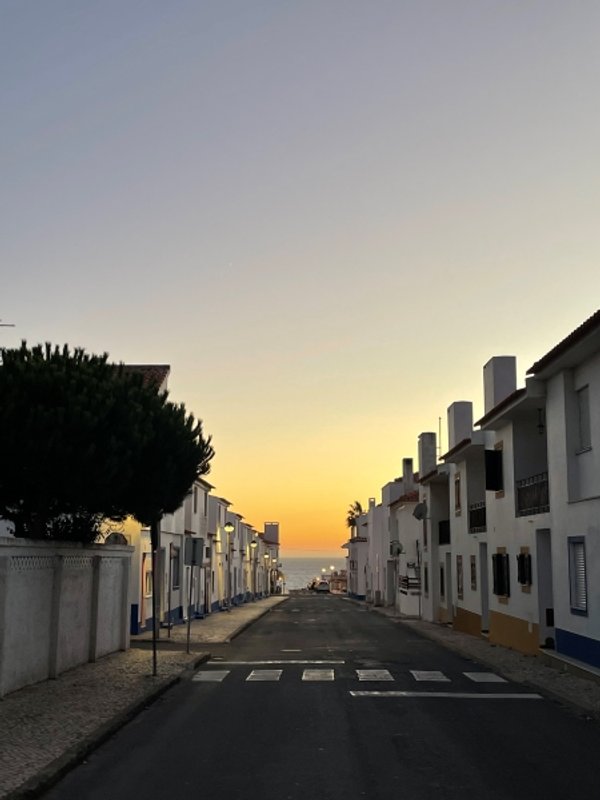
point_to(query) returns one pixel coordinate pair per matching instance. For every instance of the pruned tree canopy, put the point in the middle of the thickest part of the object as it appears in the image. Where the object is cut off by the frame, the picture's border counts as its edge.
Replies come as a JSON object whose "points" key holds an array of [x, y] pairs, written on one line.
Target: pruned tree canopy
{"points": [[84, 440]]}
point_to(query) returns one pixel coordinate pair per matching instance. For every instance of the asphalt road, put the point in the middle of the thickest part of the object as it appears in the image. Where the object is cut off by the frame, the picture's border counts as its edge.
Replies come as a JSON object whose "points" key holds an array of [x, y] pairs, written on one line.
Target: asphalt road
{"points": [[275, 715]]}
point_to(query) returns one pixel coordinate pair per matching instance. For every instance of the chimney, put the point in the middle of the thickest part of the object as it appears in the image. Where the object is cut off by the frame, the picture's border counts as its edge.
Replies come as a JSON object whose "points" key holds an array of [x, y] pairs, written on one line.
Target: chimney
{"points": [[427, 453], [460, 422], [407, 475], [499, 380], [371, 502]]}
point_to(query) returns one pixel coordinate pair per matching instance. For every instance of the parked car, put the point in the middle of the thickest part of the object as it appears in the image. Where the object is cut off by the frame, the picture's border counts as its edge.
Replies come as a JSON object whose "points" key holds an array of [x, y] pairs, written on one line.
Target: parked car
{"points": [[322, 586]]}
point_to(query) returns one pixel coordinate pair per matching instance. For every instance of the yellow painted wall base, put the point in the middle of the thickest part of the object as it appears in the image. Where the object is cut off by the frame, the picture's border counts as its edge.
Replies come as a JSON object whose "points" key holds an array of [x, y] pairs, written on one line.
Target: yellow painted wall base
{"points": [[513, 632], [467, 622], [444, 615]]}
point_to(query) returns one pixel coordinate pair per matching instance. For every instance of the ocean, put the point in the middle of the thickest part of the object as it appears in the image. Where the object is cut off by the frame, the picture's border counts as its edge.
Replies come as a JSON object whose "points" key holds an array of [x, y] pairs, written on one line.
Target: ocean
{"points": [[299, 572]]}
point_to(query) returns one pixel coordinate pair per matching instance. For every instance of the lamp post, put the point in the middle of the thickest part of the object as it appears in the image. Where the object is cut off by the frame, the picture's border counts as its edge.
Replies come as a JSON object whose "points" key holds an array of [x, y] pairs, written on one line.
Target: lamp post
{"points": [[228, 528], [267, 558], [253, 546]]}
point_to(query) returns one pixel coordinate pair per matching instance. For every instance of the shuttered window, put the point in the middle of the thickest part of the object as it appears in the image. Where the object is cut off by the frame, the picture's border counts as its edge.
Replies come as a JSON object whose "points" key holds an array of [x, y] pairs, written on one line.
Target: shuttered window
{"points": [[501, 575], [578, 577]]}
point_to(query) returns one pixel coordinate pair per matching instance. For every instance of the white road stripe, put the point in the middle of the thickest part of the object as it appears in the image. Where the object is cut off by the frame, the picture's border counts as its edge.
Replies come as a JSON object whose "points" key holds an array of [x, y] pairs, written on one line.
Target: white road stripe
{"points": [[484, 677], [264, 675], [317, 675], [429, 675], [457, 695], [214, 675], [283, 661], [374, 675]]}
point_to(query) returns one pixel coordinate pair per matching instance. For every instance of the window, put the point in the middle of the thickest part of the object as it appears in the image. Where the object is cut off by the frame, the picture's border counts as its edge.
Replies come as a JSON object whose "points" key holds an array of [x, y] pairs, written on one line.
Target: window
{"points": [[474, 573], [524, 568], [501, 574], [442, 583], [175, 566], [457, 493], [577, 575], [195, 499], [459, 577], [205, 496], [584, 438], [148, 583], [494, 481], [426, 579]]}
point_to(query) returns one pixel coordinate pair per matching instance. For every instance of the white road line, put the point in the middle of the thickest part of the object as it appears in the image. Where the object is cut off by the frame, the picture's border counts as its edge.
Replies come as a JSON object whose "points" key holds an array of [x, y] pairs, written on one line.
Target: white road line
{"points": [[429, 675], [283, 661], [264, 675], [484, 677], [374, 675], [291, 650], [215, 675], [317, 675], [456, 695]]}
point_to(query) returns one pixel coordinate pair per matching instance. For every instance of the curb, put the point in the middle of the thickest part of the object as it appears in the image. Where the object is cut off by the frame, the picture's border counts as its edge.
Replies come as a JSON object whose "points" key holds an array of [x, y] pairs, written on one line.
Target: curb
{"points": [[250, 622], [59, 767]]}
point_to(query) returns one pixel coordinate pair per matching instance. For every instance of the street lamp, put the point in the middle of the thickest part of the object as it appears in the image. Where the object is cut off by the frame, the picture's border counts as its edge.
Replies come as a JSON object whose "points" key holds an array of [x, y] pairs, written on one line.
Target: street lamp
{"points": [[228, 528], [253, 546], [267, 558]]}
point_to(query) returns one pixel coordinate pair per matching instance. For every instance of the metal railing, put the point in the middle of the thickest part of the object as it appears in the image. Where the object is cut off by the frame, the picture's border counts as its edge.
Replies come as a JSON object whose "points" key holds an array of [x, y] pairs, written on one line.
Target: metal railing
{"points": [[477, 518], [532, 495]]}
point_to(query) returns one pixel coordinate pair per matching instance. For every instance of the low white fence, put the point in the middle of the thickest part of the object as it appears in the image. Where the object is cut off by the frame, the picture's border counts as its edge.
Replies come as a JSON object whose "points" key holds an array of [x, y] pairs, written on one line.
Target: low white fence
{"points": [[61, 605]]}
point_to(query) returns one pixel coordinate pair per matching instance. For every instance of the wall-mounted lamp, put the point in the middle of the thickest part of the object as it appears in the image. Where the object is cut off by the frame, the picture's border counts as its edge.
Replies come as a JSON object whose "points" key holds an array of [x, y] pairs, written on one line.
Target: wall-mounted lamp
{"points": [[541, 425]]}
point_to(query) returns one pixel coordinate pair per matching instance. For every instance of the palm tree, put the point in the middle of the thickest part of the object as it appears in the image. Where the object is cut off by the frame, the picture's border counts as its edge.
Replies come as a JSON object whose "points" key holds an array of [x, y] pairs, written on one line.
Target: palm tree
{"points": [[354, 511]]}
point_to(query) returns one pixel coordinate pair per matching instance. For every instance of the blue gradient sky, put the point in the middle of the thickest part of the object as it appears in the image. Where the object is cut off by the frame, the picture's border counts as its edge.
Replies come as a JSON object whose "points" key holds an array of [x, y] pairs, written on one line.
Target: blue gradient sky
{"points": [[326, 216]]}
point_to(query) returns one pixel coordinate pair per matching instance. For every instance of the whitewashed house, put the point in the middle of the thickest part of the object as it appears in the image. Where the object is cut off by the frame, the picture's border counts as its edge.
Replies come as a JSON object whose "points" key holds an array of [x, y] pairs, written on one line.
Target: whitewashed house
{"points": [[571, 374], [356, 560], [433, 512], [519, 520], [467, 561]]}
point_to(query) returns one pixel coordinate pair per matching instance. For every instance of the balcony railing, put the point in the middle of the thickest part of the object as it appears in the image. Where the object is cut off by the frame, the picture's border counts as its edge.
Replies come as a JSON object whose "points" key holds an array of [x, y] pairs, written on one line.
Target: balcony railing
{"points": [[477, 518], [532, 495]]}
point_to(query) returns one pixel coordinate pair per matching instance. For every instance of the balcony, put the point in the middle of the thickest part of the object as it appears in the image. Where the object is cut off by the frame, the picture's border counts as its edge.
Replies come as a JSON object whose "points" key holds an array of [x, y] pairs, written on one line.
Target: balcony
{"points": [[477, 518], [532, 495]]}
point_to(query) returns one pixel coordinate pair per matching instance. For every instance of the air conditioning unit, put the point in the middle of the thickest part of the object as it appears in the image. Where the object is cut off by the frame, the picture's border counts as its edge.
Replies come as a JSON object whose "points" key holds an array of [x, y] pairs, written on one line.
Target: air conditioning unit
{"points": [[396, 548]]}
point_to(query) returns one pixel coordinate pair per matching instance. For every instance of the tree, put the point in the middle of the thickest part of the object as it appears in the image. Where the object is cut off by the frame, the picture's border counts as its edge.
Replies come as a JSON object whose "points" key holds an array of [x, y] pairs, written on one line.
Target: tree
{"points": [[354, 511], [84, 440]]}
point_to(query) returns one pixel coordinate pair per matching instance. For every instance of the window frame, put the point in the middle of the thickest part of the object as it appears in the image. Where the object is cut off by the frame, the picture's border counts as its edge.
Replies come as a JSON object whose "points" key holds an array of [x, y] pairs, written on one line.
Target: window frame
{"points": [[577, 544]]}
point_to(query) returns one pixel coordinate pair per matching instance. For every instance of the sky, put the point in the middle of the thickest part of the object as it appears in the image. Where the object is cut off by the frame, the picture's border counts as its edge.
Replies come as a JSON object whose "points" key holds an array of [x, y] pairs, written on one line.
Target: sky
{"points": [[325, 215]]}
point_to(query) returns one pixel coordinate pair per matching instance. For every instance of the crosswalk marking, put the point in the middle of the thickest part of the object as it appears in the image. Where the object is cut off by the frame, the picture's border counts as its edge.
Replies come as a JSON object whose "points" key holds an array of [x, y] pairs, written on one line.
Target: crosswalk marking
{"points": [[455, 695], [484, 677], [317, 675], [283, 661], [264, 675], [214, 675], [374, 675], [429, 675]]}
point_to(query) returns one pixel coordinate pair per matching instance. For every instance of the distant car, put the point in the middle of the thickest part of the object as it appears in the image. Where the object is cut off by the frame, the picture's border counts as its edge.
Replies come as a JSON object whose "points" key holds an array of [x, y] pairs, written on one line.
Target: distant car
{"points": [[322, 586]]}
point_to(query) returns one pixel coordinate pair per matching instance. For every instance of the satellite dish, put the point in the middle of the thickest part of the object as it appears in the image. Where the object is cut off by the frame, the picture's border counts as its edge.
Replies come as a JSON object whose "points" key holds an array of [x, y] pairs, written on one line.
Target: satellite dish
{"points": [[396, 548], [420, 511]]}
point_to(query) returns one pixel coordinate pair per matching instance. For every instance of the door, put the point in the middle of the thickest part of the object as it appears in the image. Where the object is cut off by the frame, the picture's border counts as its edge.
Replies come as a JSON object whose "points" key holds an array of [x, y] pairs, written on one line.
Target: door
{"points": [[484, 588], [544, 582]]}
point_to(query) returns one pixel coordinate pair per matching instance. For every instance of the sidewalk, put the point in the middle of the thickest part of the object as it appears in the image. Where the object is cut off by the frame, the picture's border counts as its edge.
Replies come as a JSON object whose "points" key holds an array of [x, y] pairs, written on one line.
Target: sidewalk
{"points": [[47, 728], [582, 693]]}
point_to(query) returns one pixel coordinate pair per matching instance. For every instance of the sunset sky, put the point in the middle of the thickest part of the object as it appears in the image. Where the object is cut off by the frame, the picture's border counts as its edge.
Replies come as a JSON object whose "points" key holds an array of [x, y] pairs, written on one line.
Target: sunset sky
{"points": [[325, 215]]}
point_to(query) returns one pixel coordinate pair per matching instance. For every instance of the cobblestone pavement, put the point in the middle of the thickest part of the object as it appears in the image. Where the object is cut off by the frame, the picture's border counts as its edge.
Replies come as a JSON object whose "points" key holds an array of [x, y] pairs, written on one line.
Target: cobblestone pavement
{"points": [[580, 693], [46, 728]]}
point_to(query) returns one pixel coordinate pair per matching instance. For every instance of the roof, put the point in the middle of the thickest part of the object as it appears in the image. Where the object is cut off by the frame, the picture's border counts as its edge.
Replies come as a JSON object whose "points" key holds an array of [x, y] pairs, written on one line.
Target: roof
{"points": [[516, 395], [152, 374], [456, 448], [409, 497], [591, 325]]}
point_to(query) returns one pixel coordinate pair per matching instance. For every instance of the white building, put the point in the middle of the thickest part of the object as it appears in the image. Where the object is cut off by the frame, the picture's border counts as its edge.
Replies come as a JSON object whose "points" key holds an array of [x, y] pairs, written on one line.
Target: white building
{"points": [[571, 374]]}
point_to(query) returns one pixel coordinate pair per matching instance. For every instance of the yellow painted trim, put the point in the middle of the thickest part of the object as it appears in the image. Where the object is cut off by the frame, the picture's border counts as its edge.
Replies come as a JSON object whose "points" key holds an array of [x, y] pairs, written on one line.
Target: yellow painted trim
{"points": [[514, 633]]}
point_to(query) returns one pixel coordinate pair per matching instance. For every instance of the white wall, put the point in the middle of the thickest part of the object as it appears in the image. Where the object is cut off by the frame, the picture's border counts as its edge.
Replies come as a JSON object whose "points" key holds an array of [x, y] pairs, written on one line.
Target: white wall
{"points": [[61, 605]]}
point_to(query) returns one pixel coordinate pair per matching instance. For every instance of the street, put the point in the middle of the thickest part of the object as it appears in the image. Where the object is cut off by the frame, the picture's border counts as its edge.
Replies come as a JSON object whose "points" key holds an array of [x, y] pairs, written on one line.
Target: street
{"points": [[322, 698]]}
